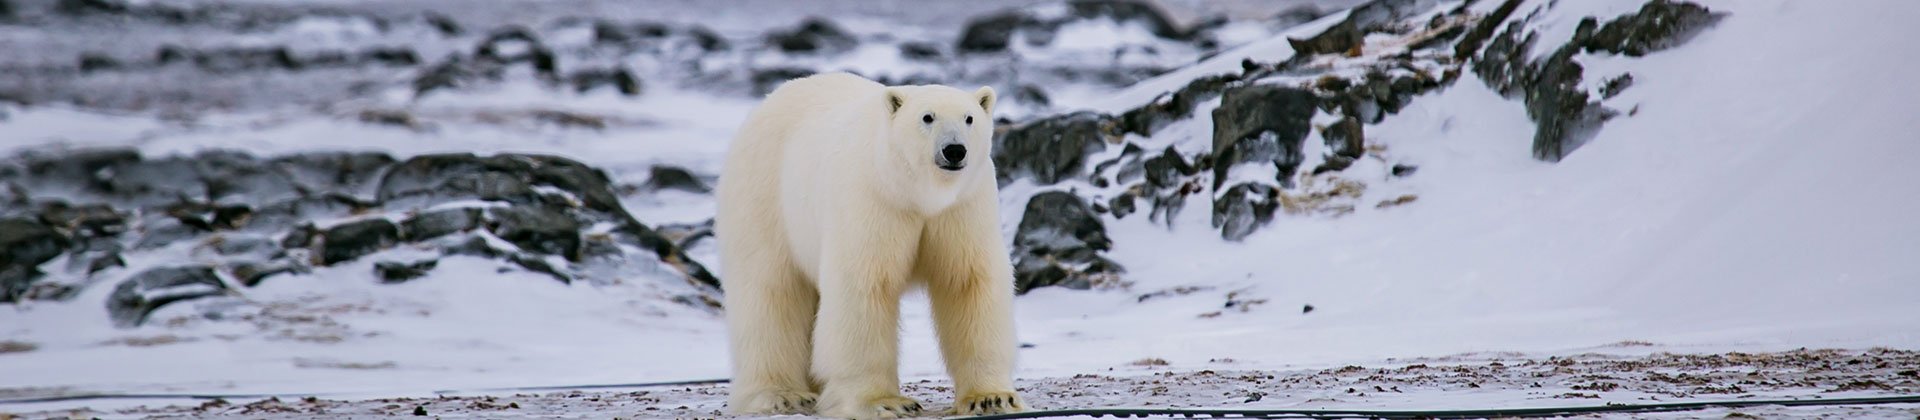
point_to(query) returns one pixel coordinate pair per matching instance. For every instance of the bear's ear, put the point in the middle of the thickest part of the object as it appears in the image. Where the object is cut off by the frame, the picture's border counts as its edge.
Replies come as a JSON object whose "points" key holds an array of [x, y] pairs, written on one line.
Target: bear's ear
{"points": [[986, 98], [894, 101]]}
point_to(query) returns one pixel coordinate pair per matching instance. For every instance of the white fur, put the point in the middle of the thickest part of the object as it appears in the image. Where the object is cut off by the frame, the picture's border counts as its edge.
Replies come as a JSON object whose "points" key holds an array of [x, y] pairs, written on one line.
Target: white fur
{"points": [[832, 206]]}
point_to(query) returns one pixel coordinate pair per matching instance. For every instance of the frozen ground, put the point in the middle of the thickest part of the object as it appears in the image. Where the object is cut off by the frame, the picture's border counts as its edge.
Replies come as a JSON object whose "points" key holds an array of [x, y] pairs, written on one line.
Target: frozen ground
{"points": [[1756, 200], [1467, 381]]}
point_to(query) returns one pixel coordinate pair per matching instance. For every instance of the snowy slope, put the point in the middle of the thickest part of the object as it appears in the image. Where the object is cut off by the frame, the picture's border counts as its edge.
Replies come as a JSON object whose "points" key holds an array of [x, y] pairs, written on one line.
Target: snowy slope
{"points": [[1757, 199], [1754, 200]]}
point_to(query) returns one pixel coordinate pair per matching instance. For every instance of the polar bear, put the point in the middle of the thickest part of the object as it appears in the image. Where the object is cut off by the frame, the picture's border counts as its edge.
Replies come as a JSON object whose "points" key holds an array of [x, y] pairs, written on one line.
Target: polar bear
{"points": [[837, 196]]}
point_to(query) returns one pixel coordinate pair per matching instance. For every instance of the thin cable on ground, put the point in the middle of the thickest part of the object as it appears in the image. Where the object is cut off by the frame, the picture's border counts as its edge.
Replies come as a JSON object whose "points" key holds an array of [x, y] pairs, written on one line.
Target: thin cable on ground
{"points": [[206, 396], [1111, 412], [1443, 414]]}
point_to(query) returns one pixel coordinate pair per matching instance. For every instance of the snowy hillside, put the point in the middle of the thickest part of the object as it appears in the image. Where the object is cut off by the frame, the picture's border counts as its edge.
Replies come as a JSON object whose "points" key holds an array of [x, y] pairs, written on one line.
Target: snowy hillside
{"points": [[1446, 181]]}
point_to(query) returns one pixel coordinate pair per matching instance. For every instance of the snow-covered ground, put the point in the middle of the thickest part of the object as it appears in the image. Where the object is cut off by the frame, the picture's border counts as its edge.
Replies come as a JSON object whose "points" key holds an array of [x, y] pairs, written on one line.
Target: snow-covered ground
{"points": [[1756, 199]]}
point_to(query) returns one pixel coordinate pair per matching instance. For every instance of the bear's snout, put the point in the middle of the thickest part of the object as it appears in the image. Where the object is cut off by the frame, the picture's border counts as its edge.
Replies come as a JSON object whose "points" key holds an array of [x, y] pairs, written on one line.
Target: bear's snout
{"points": [[953, 157]]}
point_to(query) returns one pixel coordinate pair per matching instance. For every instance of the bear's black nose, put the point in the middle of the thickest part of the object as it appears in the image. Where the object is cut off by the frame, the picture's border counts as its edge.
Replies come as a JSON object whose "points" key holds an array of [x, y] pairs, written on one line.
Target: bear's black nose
{"points": [[954, 153]]}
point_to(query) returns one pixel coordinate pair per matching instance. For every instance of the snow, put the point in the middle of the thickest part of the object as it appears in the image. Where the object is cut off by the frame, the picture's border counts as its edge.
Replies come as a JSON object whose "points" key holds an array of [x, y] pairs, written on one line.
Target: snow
{"points": [[1758, 198]]}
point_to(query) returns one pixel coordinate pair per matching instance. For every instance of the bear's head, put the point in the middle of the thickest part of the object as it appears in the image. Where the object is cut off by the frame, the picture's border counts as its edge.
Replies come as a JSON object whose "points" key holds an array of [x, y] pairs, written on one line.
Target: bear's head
{"points": [[942, 137]]}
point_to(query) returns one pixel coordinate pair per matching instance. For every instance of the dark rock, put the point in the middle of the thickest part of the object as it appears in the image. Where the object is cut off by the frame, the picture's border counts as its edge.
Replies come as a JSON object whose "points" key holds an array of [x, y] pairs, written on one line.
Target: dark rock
{"points": [[814, 35], [240, 245], [1470, 44], [618, 78], [437, 223], [919, 51], [665, 177], [1404, 170], [1052, 149], [994, 32], [567, 119], [706, 39], [1175, 106], [299, 237], [629, 36], [766, 80], [1243, 208], [1166, 170], [1347, 141], [1121, 205], [448, 177], [24, 245], [514, 45], [687, 234], [453, 74], [1032, 94], [348, 173], [1128, 11], [1057, 244], [105, 261], [1614, 86], [446, 25], [1660, 24], [229, 60], [92, 220], [251, 274], [6, 9], [391, 272], [392, 56], [479, 247], [162, 230], [138, 296], [1261, 124], [92, 62], [1349, 34], [208, 217], [355, 239], [234, 177], [319, 207], [395, 118], [1565, 116], [28, 242], [538, 230]]}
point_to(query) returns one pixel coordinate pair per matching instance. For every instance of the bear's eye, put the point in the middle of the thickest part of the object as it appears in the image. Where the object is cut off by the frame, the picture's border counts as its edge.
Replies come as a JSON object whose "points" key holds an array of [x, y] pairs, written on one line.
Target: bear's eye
{"points": [[927, 118], [969, 120]]}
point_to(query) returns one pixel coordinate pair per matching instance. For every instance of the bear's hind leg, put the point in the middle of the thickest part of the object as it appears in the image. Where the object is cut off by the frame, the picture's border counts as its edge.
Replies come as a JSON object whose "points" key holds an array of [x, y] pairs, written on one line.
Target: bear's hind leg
{"points": [[770, 312]]}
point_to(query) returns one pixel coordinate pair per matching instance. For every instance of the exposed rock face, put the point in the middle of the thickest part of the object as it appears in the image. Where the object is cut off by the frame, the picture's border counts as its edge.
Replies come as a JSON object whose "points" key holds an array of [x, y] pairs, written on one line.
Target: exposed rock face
{"points": [[1261, 125], [1052, 149], [1058, 243], [24, 245], [996, 32], [1348, 35], [139, 295], [251, 219], [815, 35], [1564, 114], [1660, 24]]}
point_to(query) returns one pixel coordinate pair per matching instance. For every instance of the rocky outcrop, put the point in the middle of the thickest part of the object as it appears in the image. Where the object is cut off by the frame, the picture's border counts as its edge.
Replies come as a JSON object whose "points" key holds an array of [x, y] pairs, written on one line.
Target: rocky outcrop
{"points": [[1347, 36], [251, 220], [1658, 25], [1052, 149], [996, 32], [1058, 244], [139, 295], [1564, 114], [813, 36]]}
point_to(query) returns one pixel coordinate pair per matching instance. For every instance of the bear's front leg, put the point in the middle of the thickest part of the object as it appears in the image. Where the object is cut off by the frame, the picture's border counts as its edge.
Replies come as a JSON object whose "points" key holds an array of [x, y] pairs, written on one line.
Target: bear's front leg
{"points": [[970, 281], [856, 338]]}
